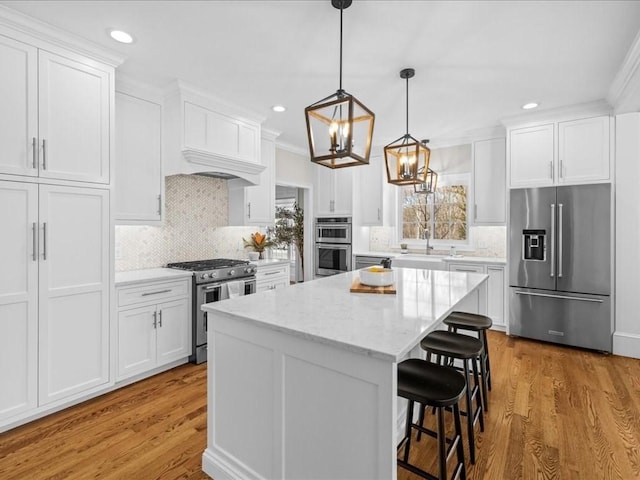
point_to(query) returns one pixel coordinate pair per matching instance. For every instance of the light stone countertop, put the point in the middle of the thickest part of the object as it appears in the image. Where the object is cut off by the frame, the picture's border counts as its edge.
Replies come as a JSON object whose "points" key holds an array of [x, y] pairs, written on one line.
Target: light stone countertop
{"points": [[149, 274], [269, 261], [386, 326], [445, 258]]}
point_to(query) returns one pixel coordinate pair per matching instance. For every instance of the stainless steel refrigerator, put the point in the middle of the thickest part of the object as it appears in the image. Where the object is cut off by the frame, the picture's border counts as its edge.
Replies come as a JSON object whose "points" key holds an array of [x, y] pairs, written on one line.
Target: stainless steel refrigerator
{"points": [[560, 265]]}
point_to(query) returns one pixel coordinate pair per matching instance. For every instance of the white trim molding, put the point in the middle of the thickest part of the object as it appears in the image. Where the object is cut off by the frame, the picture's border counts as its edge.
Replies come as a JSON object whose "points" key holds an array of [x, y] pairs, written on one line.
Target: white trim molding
{"points": [[626, 344], [627, 80]]}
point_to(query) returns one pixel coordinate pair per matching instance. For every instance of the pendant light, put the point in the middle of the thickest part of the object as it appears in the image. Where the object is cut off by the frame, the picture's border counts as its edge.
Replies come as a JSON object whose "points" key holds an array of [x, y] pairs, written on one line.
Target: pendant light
{"points": [[339, 127], [432, 179], [406, 158]]}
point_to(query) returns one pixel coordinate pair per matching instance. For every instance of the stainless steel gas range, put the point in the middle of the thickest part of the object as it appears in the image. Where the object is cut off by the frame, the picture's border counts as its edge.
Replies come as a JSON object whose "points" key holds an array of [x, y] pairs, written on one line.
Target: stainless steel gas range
{"points": [[214, 280]]}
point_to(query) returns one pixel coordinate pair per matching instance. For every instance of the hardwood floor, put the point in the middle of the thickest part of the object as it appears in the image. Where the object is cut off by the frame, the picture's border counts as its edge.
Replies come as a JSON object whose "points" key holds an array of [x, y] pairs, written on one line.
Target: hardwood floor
{"points": [[554, 412]]}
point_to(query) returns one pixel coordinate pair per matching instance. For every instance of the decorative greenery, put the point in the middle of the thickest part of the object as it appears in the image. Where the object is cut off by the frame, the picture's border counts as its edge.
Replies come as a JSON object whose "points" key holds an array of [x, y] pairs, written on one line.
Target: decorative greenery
{"points": [[289, 229], [258, 242]]}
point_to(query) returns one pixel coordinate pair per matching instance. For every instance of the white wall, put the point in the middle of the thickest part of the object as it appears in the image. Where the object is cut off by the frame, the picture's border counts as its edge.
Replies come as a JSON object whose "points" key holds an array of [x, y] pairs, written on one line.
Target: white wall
{"points": [[626, 338], [293, 169]]}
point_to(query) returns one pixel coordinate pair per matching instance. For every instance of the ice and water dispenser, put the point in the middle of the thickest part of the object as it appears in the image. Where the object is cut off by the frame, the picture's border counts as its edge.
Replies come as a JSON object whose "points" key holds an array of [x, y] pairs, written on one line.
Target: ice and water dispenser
{"points": [[534, 245]]}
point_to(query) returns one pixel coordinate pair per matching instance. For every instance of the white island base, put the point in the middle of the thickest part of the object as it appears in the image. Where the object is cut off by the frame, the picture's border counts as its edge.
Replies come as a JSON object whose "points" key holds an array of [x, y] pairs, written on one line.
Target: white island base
{"points": [[302, 380]]}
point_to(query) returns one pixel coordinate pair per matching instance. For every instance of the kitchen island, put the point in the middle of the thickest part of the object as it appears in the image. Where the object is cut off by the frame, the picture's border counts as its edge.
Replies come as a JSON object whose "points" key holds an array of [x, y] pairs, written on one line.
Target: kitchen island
{"points": [[302, 380]]}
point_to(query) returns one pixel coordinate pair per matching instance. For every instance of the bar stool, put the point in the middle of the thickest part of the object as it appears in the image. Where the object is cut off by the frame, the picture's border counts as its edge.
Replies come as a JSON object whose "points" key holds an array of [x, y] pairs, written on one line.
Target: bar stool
{"points": [[474, 322], [439, 387], [449, 346]]}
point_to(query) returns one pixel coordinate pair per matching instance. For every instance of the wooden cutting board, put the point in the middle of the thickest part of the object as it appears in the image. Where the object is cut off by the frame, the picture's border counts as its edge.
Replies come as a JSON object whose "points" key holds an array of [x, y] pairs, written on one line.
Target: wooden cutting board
{"points": [[357, 287]]}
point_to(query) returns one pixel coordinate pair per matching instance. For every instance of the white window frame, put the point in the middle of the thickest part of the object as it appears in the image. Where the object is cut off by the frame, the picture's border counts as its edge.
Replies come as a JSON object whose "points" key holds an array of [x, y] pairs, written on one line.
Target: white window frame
{"points": [[443, 180]]}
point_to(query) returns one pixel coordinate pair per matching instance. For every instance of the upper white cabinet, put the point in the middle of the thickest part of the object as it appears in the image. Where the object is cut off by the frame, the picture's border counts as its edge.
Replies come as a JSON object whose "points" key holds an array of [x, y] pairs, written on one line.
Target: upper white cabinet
{"points": [[566, 152], [531, 156], [138, 173], [333, 190], [256, 205], [583, 150], [55, 117], [369, 192], [489, 182]]}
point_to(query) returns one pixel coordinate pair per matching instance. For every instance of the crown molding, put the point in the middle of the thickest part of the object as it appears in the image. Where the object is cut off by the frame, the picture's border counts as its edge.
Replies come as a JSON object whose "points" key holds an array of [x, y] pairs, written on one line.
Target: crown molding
{"points": [[569, 112], [627, 80], [288, 147], [45, 32]]}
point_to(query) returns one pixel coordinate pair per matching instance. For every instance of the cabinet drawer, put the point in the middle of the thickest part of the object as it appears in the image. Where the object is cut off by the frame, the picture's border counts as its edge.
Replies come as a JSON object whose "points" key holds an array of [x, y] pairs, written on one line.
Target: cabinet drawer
{"points": [[268, 273], [152, 292], [465, 267]]}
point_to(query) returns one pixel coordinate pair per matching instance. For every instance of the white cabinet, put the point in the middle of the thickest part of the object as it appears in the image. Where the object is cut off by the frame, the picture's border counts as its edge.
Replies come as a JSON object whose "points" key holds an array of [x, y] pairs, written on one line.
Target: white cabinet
{"points": [[54, 293], [73, 291], [583, 150], [154, 325], [489, 182], [18, 298], [55, 117], [138, 171], [492, 301], [531, 156], [369, 192], [333, 190], [220, 134], [272, 276], [566, 152], [256, 205]]}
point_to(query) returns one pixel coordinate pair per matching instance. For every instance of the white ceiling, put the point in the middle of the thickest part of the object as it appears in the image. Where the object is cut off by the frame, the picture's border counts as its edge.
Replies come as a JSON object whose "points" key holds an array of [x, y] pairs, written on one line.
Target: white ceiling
{"points": [[476, 61]]}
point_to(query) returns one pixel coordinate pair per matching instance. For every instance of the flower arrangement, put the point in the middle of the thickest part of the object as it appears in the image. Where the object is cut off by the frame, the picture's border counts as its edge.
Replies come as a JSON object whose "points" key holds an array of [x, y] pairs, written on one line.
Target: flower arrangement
{"points": [[258, 242]]}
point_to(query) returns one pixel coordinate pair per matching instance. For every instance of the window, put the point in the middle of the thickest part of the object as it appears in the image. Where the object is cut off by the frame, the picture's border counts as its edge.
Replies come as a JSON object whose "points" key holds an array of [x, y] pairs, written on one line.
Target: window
{"points": [[442, 216]]}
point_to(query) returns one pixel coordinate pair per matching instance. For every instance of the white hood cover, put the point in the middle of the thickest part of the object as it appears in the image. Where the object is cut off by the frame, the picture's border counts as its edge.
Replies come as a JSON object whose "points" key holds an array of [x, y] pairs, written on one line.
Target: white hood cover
{"points": [[206, 163]]}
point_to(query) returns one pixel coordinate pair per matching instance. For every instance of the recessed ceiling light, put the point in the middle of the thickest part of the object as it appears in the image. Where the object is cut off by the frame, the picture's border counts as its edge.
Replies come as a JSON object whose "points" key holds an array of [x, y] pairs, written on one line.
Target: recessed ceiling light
{"points": [[120, 36], [279, 108], [529, 106]]}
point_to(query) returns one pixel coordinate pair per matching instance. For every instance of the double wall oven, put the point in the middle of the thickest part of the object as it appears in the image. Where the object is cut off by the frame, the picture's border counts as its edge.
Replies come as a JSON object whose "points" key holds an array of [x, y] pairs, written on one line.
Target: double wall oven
{"points": [[214, 280], [333, 245]]}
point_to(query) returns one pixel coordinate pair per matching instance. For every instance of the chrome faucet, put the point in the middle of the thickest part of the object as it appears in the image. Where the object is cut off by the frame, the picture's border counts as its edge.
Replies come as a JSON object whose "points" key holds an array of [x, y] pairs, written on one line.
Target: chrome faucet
{"points": [[426, 237]]}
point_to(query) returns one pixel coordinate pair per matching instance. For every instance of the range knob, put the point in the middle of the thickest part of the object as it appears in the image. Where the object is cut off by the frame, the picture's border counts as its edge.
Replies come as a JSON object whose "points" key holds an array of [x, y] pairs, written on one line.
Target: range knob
{"points": [[248, 270], [204, 276], [231, 272], [213, 275]]}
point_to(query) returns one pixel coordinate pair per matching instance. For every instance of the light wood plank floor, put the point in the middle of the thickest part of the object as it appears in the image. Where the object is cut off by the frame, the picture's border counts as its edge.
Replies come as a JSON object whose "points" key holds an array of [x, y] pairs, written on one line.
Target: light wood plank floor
{"points": [[555, 412]]}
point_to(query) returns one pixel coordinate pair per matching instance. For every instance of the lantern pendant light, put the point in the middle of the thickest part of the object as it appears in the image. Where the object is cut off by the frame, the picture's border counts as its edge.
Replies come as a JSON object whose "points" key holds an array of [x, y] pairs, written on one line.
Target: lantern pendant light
{"points": [[339, 127], [407, 159], [432, 180]]}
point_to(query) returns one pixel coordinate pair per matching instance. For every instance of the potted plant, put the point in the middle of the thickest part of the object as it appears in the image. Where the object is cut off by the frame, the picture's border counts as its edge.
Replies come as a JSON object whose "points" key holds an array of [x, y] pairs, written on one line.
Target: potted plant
{"points": [[289, 230], [257, 243]]}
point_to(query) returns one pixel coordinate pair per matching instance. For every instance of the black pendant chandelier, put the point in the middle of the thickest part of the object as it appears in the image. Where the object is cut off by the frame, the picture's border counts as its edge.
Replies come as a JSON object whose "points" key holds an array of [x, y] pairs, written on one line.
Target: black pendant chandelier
{"points": [[339, 127], [407, 159]]}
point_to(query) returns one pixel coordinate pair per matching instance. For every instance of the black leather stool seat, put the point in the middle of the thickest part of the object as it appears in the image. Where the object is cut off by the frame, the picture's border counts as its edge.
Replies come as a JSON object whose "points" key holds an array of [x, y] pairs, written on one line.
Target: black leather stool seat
{"points": [[429, 383], [468, 321], [441, 388], [449, 344]]}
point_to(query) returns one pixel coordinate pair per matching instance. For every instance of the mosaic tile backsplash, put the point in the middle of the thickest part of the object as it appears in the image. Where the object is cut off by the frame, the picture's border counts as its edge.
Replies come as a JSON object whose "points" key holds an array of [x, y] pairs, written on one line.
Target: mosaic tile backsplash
{"points": [[195, 227]]}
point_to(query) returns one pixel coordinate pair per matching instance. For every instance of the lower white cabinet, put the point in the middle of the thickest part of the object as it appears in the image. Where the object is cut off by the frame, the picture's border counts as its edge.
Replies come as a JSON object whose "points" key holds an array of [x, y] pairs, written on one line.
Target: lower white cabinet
{"points": [[270, 277], [154, 325], [494, 303]]}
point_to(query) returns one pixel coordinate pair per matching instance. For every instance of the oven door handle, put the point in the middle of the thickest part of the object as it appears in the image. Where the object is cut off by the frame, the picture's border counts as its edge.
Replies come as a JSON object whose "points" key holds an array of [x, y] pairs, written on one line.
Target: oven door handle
{"points": [[211, 287]]}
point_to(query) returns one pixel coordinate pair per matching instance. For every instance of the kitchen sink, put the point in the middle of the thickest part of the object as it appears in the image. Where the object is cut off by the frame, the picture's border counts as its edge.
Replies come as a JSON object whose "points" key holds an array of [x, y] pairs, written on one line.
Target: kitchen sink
{"points": [[429, 262]]}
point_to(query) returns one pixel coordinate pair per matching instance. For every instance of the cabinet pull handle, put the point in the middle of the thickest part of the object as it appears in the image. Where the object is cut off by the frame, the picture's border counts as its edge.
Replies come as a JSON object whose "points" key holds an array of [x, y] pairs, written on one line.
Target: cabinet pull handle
{"points": [[160, 318], [34, 153], [34, 234], [551, 170], [270, 273], [155, 320], [561, 173], [44, 154], [378, 213], [465, 270], [475, 211], [159, 204], [249, 210], [44, 241], [156, 293]]}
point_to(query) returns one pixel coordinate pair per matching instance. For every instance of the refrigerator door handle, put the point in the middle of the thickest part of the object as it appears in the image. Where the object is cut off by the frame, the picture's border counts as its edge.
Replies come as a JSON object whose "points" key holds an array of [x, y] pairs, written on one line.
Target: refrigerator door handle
{"points": [[553, 239], [563, 297], [560, 240]]}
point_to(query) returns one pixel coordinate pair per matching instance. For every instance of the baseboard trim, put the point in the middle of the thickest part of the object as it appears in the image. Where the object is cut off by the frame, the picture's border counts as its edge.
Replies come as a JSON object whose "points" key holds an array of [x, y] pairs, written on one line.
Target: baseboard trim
{"points": [[626, 344]]}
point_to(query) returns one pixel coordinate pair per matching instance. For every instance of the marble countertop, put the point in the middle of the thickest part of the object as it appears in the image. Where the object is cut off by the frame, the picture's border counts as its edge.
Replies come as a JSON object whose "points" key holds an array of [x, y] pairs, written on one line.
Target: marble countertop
{"points": [[149, 274], [269, 261], [386, 326]]}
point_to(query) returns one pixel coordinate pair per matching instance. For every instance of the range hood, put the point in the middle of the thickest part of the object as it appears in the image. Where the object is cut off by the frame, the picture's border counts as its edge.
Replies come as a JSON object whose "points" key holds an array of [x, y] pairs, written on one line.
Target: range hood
{"points": [[200, 162], [204, 135]]}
